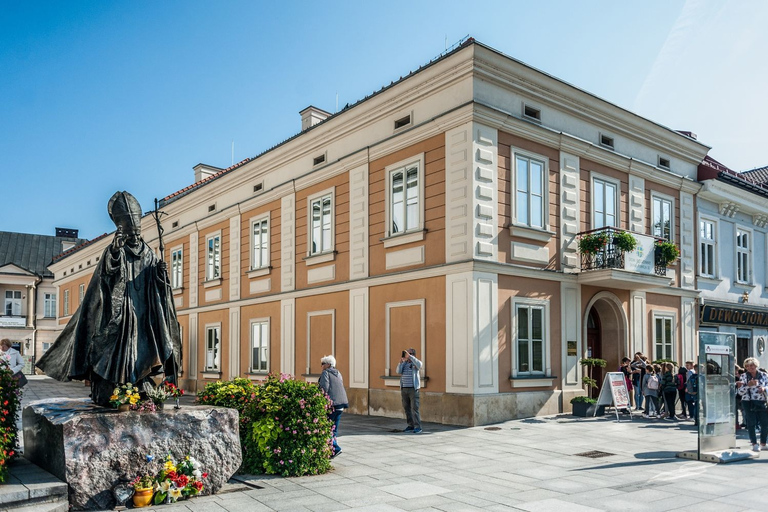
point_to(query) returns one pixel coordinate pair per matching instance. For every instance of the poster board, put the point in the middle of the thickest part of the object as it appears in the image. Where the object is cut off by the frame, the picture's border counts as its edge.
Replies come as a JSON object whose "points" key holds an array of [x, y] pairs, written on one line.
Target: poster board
{"points": [[615, 393]]}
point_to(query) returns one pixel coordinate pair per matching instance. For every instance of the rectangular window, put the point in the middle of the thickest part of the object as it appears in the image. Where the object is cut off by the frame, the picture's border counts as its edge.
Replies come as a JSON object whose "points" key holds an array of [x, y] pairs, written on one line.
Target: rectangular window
{"points": [[404, 200], [707, 244], [80, 293], [665, 338], [13, 303], [743, 260], [66, 302], [46, 346], [177, 268], [529, 191], [212, 348], [605, 195], [260, 346], [260, 244], [662, 218], [49, 309], [530, 338], [321, 233], [213, 265]]}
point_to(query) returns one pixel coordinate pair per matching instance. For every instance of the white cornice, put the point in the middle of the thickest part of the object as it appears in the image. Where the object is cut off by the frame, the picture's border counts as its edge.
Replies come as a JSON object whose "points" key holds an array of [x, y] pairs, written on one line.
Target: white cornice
{"points": [[748, 202]]}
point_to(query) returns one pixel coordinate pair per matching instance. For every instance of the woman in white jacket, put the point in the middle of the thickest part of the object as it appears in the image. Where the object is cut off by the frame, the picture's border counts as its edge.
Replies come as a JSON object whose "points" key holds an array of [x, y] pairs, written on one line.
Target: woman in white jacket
{"points": [[11, 356]]}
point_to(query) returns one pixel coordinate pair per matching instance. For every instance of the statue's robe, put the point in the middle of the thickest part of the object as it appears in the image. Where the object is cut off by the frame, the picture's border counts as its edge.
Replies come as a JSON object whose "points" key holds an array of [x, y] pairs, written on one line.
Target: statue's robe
{"points": [[126, 328]]}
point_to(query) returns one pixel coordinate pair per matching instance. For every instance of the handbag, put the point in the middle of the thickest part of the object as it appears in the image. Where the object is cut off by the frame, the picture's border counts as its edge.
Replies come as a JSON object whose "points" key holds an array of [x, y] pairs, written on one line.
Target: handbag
{"points": [[21, 379]]}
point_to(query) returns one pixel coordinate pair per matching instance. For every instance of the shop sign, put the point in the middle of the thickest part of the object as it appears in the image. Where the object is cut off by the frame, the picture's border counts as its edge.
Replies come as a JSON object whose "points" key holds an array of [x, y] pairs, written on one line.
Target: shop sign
{"points": [[13, 321], [715, 314]]}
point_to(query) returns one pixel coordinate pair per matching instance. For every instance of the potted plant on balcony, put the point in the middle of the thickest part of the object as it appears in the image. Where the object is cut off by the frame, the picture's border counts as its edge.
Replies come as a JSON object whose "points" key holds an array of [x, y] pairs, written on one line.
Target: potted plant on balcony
{"points": [[624, 241], [592, 242], [667, 252]]}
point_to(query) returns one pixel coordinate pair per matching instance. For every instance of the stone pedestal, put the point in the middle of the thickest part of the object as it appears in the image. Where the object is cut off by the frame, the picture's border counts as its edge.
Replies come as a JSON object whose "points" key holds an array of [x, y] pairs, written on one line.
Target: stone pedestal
{"points": [[91, 447]]}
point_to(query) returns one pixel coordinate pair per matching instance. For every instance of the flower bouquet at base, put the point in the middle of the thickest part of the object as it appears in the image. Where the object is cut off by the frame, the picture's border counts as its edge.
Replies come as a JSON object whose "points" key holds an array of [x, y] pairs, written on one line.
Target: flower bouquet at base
{"points": [[127, 394], [178, 481], [143, 490]]}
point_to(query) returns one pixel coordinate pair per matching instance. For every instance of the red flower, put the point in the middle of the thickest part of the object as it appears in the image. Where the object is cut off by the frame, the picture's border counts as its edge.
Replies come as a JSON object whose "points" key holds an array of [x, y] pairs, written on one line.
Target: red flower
{"points": [[205, 475], [171, 474], [181, 481], [198, 485]]}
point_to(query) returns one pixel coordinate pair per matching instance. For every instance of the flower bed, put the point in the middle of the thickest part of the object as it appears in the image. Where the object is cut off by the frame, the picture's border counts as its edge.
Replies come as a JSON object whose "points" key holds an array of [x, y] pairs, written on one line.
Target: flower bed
{"points": [[10, 398], [284, 426]]}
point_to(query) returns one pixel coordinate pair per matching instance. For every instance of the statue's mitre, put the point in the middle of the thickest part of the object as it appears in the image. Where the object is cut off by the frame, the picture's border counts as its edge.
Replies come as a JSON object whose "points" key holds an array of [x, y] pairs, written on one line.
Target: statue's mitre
{"points": [[124, 210]]}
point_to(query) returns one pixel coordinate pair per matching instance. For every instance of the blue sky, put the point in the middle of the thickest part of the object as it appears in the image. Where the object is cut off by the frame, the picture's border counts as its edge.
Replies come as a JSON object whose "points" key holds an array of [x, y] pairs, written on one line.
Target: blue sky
{"points": [[97, 96]]}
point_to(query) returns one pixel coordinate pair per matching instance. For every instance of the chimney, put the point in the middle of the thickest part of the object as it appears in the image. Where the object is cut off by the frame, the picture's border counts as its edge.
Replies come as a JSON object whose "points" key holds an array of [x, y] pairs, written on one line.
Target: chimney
{"points": [[310, 116], [203, 171], [66, 232]]}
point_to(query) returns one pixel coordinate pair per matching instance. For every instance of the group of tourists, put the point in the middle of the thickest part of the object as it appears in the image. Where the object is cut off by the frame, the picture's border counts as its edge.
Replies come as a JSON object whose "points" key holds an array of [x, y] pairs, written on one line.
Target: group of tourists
{"points": [[661, 387]]}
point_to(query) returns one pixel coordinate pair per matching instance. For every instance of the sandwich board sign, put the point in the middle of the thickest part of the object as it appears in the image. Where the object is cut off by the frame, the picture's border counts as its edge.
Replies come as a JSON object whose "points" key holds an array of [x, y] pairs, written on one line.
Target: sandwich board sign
{"points": [[614, 393]]}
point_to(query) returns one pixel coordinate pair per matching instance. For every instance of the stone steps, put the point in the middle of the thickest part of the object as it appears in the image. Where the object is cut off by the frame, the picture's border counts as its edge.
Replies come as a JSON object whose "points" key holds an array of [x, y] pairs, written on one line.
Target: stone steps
{"points": [[32, 489]]}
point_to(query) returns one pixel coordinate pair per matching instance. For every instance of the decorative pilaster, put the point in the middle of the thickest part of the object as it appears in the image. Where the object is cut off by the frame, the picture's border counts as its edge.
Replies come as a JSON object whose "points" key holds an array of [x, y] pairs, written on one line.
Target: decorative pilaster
{"points": [[288, 243], [234, 258], [636, 204], [687, 241], [358, 338], [288, 336], [570, 224], [234, 342], [193, 270], [458, 193], [358, 222]]}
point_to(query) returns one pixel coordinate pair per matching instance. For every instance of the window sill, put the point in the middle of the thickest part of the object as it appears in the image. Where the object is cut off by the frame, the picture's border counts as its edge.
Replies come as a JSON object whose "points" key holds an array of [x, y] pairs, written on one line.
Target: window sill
{"points": [[323, 257], [747, 287], [532, 381], [404, 238], [258, 376], [177, 291], [311, 377], [394, 381], [212, 282], [540, 235], [210, 374], [710, 280], [259, 272]]}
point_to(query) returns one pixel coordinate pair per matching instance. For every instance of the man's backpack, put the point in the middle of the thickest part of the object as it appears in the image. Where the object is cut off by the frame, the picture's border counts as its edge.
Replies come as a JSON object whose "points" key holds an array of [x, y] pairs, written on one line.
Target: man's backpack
{"points": [[680, 382], [692, 385], [653, 383]]}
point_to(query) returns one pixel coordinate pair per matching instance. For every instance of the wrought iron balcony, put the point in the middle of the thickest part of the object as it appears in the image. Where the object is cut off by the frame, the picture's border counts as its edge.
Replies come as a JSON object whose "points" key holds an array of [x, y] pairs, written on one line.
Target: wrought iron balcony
{"points": [[606, 254]]}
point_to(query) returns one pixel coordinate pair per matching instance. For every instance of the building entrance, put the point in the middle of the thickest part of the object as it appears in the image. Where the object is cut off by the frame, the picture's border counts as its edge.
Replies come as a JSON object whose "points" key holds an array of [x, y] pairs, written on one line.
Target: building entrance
{"points": [[595, 347]]}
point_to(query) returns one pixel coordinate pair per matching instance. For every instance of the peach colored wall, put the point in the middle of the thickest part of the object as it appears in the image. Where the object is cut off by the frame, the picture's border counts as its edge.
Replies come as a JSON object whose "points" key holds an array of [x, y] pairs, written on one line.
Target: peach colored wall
{"points": [[434, 204], [222, 226], [432, 290], [506, 188], [340, 184], [338, 302], [269, 310], [184, 366], [511, 287], [273, 209], [74, 294]]}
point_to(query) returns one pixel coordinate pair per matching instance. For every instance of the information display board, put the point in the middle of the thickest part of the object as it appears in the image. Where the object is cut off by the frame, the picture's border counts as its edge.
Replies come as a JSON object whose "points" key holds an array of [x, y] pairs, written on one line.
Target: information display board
{"points": [[717, 398], [614, 392]]}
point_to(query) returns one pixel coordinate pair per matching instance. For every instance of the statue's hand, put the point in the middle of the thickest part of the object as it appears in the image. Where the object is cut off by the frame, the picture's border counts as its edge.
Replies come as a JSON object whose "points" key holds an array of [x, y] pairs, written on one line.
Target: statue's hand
{"points": [[163, 267], [118, 242]]}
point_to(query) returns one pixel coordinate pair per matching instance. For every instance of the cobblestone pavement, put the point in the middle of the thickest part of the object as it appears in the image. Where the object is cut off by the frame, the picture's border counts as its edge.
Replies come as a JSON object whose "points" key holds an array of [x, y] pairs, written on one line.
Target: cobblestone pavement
{"points": [[532, 464]]}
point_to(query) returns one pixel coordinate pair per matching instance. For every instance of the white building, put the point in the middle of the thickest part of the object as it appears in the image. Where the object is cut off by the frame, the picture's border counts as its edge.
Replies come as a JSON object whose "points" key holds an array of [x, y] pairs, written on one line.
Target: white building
{"points": [[731, 268]]}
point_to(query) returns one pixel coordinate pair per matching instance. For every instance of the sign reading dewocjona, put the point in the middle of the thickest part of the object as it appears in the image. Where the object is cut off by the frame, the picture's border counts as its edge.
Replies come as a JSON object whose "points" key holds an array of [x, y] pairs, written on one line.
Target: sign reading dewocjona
{"points": [[733, 316]]}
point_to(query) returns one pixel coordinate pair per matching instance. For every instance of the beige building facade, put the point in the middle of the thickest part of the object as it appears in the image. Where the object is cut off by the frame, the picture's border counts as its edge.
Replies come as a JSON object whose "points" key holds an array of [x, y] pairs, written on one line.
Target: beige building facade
{"points": [[441, 213]]}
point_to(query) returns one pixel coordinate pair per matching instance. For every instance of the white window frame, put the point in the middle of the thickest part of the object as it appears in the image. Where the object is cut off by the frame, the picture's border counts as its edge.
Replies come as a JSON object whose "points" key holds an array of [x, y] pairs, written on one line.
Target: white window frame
{"points": [[49, 305], [314, 197], [656, 196], [546, 338], [517, 153], [14, 303], [418, 161], [264, 344], [66, 303], [217, 354], [709, 242], [672, 317], [177, 267], [257, 264], [210, 265], [747, 255], [617, 206], [80, 293]]}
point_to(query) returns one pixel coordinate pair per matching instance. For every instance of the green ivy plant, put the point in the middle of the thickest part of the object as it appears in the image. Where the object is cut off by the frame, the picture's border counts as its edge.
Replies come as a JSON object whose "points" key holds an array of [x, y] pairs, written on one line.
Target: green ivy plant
{"points": [[668, 252], [592, 242], [624, 241]]}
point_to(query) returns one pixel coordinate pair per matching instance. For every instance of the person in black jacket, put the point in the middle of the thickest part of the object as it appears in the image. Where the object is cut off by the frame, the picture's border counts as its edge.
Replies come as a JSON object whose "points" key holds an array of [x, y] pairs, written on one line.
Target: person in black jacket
{"points": [[669, 390]]}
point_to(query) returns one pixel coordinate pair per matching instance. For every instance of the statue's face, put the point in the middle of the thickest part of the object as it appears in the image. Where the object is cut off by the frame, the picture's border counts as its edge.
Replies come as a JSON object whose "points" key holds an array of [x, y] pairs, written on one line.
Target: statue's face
{"points": [[132, 236]]}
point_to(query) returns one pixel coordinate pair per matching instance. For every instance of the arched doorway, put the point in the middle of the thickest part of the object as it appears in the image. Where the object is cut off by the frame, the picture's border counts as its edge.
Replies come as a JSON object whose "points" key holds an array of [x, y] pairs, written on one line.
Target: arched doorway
{"points": [[605, 326]]}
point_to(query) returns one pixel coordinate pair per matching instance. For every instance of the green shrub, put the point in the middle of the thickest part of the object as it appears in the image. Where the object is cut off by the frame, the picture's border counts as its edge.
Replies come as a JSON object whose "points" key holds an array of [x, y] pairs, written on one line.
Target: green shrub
{"points": [[592, 242], [235, 394], [10, 398], [290, 433], [583, 400], [668, 252], [624, 241]]}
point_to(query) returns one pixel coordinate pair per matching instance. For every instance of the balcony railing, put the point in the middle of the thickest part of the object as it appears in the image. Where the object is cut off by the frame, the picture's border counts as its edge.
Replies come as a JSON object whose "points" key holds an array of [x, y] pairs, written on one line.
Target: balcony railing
{"points": [[644, 259]]}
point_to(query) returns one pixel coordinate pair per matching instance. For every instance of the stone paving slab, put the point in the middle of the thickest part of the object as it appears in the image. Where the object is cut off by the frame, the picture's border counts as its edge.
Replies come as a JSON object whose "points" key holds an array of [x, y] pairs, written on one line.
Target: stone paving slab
{"points": [[527, 464]]}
